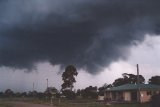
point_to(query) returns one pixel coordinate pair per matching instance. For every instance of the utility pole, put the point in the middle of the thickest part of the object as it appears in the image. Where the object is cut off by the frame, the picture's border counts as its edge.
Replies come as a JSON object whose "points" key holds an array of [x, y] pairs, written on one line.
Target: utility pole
{"points": [[47, 83], [33, 90], [33, 86], [138, 85]]}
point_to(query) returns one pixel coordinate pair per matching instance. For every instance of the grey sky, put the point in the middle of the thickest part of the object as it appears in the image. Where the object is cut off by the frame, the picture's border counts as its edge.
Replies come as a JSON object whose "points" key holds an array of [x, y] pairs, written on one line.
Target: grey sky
{"points": [[90, 33]]}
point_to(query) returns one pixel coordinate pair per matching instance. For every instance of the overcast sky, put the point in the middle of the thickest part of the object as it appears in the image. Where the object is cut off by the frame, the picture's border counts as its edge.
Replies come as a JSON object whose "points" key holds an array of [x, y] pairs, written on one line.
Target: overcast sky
{"points": [[103, 39]]}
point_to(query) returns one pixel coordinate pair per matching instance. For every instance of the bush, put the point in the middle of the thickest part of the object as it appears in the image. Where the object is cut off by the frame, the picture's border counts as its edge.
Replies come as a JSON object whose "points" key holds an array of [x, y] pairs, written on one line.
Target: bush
{"points": [[69, 94], [155, 100]]}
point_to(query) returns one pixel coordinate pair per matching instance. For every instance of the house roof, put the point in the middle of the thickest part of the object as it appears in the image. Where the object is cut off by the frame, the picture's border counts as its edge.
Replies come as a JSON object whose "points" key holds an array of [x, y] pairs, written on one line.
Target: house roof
{"points": [[134, 87]]}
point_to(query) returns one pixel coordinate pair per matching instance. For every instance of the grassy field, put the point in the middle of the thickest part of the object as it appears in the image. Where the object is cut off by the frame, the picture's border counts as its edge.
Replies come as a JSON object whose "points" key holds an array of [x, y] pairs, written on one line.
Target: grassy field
{"points": [[5, 104], [67, 103], [93, 103], [103, 105]]}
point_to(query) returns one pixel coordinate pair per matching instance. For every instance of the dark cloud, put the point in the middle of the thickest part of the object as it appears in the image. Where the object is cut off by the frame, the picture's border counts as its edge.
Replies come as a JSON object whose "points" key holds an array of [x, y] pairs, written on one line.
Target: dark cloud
{"points": [[88, 33]]}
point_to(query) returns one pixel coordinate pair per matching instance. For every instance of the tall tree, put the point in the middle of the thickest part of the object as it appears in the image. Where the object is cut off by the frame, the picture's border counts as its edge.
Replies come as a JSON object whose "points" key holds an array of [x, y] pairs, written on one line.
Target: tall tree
{"points": [[154, 80], [68, 77], [119, 81], [128, 79], [133, 79]]}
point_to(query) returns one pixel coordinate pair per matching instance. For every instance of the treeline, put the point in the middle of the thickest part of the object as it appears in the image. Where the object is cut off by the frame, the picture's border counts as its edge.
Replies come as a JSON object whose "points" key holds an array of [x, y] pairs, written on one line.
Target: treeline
{"points": [[48, 93], [90, 92]]}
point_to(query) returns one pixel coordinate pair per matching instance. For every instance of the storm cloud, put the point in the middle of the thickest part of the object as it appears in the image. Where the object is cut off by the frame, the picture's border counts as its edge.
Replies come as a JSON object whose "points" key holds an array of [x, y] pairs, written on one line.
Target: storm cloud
{"points": [[90, 34]]}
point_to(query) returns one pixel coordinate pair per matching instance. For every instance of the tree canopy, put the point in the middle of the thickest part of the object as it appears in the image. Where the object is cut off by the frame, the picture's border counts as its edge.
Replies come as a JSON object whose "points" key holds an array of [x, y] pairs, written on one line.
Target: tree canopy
{"points": [[154, 80], [102, 89], [68, 77], [89, 92], [128, 79]]}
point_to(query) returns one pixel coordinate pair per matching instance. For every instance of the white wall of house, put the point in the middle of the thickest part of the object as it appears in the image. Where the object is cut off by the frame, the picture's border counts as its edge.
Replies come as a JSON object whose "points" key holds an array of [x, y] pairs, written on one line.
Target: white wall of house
{"points": [[127, 96], [145, 96]]}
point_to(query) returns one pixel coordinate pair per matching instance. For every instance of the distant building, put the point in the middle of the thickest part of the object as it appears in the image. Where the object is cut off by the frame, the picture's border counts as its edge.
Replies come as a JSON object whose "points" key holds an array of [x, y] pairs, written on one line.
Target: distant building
{"points": [[131, 92], [100, 98], [51, 91]]}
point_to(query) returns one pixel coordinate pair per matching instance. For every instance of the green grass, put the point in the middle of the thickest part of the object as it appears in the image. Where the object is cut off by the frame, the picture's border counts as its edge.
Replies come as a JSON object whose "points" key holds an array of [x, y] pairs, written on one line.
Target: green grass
{"points": [[67, 103], [99, 105], [130, 105], [93, 103], [4, 104]]}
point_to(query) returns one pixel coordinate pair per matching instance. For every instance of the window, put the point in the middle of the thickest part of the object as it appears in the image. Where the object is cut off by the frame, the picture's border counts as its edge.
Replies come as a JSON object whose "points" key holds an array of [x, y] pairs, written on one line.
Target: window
{"points": [[149, 93]]}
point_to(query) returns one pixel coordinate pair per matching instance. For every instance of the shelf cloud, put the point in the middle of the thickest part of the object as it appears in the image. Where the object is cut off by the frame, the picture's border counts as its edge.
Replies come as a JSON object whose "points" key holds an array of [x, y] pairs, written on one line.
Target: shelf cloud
{"points": [[91, 34]]}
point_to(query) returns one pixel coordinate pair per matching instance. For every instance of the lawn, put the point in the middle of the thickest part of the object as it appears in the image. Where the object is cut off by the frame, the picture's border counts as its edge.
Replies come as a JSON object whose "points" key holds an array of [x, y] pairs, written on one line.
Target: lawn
{"points": [[130, 105], [93, 103], [97, 105], [68, 103], [100, 105], [3, 104]]}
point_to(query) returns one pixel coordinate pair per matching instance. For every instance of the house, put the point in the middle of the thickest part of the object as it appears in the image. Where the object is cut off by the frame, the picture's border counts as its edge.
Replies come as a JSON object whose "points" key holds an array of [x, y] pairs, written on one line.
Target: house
{"points": [[132, 92]]}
